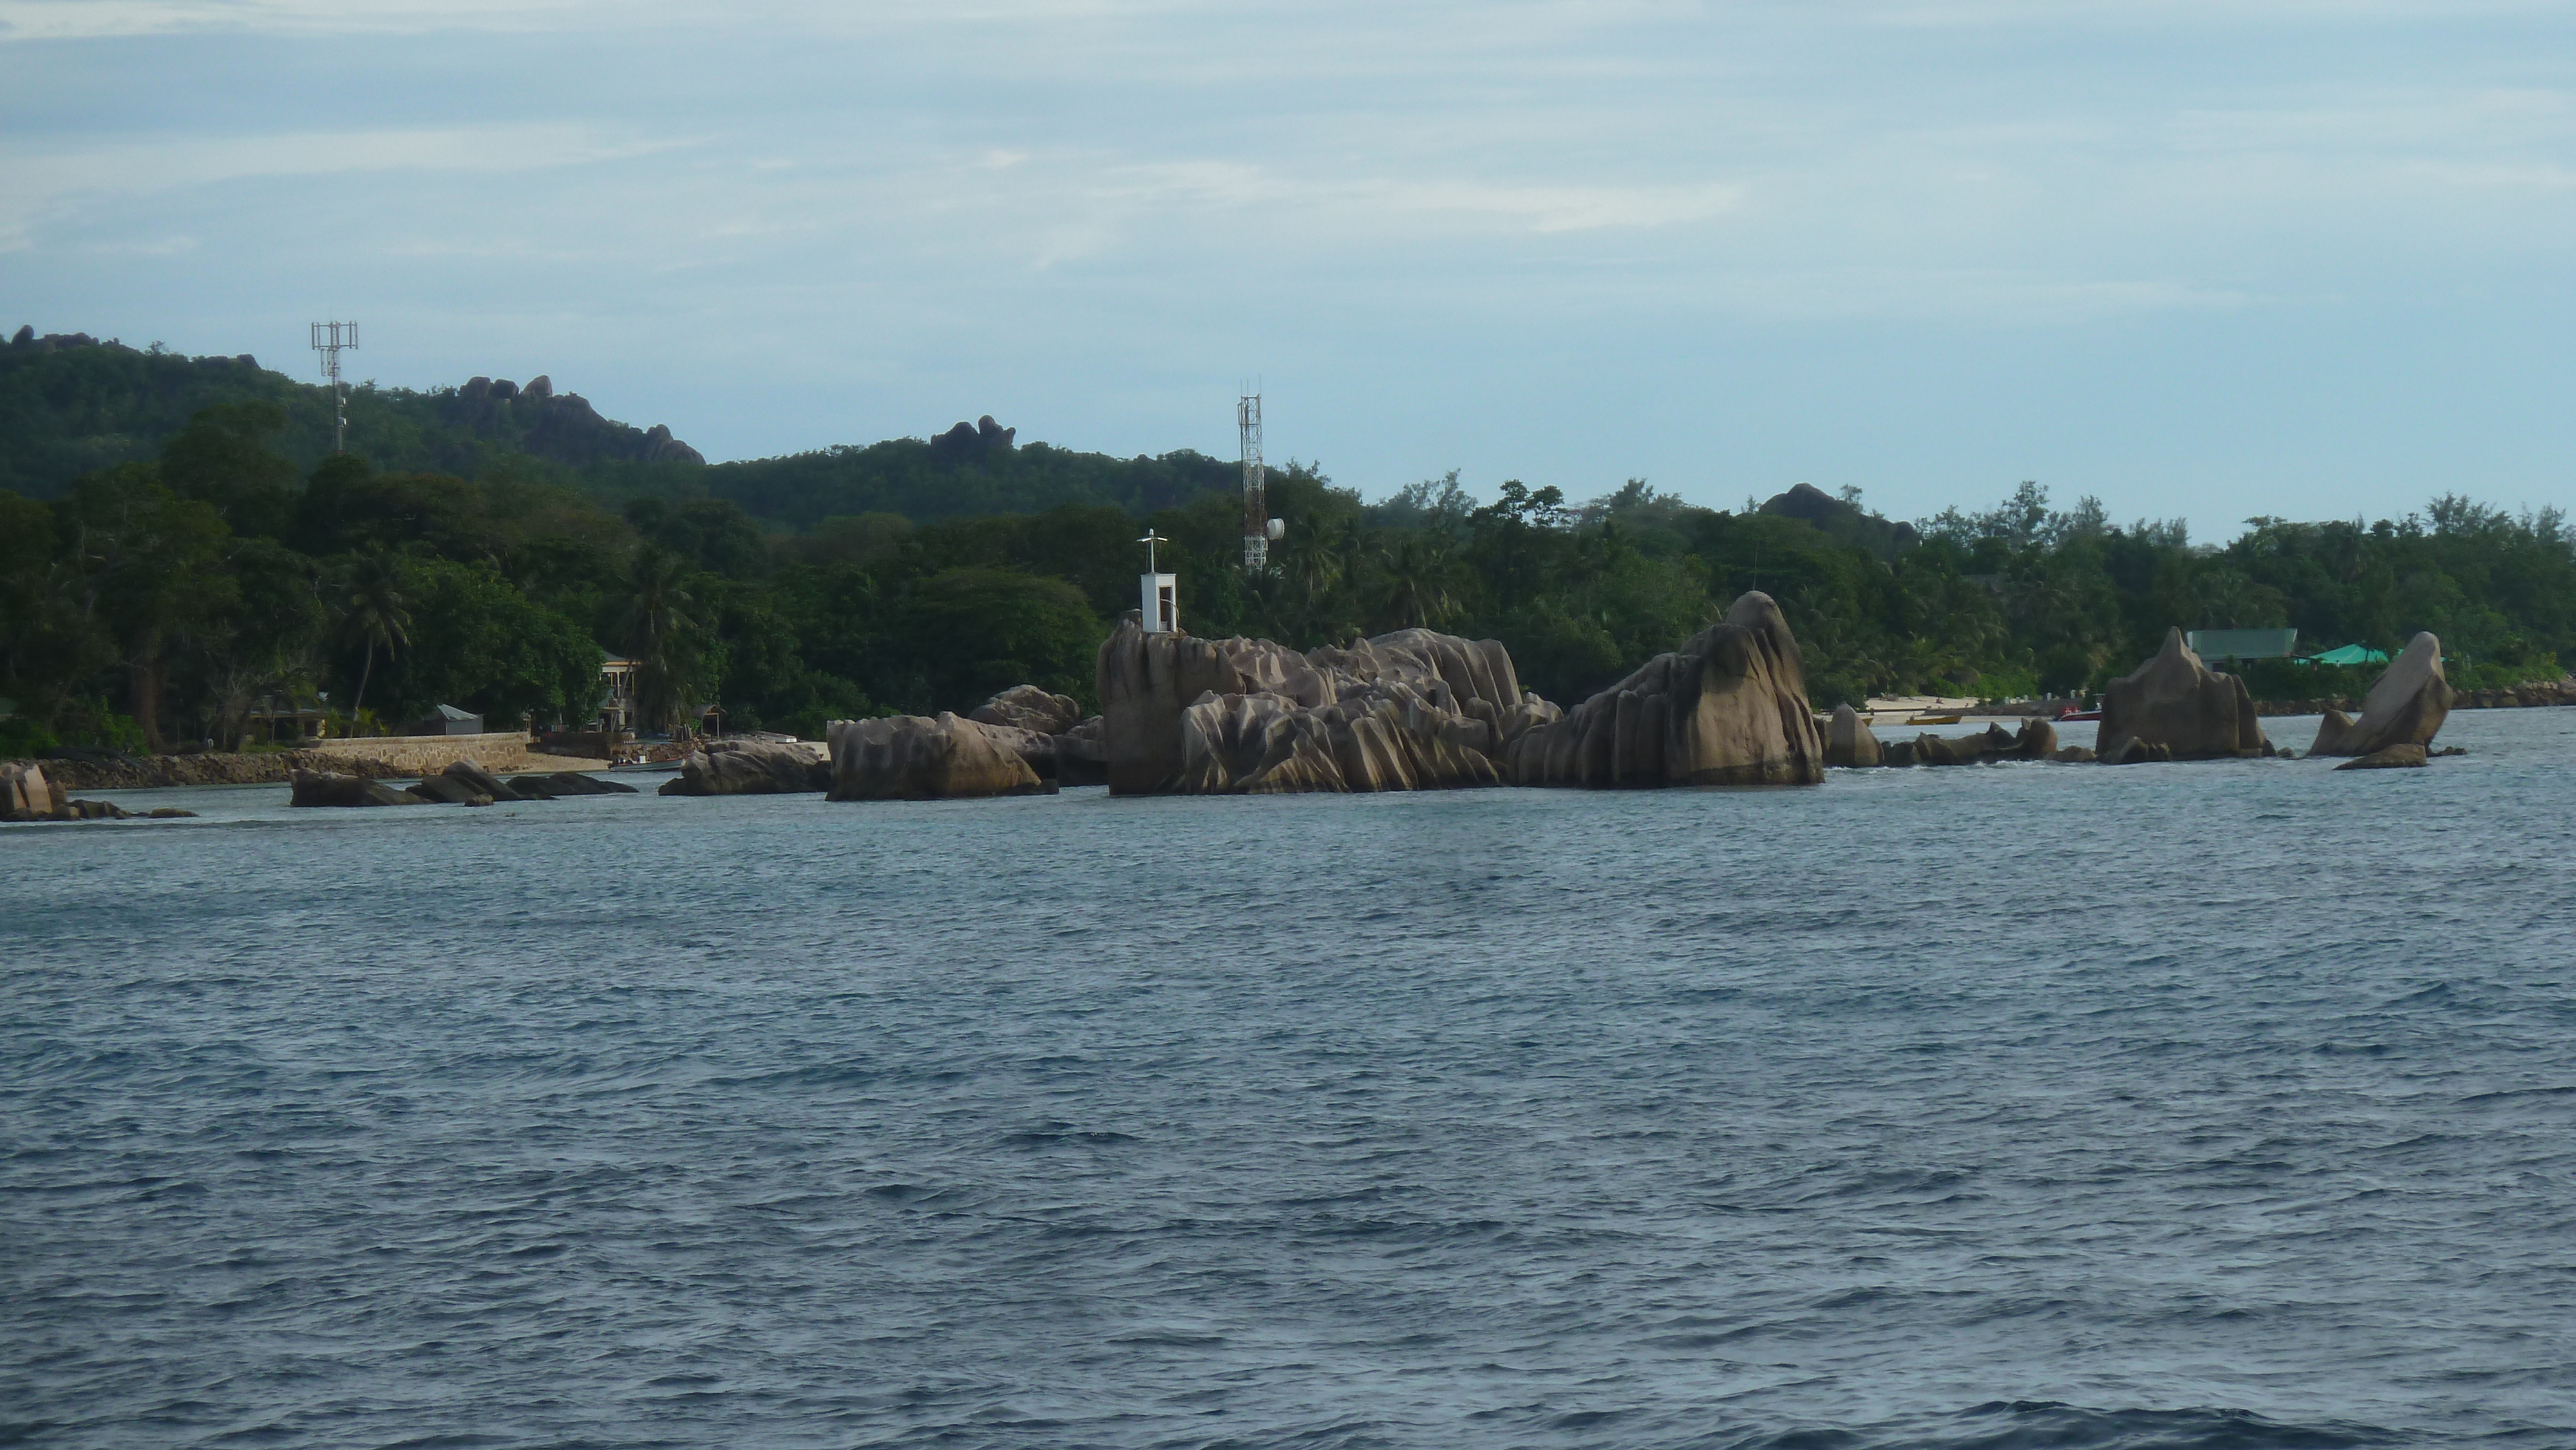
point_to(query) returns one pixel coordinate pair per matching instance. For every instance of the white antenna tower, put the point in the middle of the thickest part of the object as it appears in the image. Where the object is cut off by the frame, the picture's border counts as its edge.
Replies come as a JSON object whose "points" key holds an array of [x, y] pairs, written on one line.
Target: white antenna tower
{"points": [[1256, 507], [328, 339]]}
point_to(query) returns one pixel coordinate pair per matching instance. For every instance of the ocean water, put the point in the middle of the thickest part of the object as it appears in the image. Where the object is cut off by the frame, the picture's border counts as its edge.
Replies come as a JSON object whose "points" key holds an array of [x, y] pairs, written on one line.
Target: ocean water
{"points": [[2225, 1105]]}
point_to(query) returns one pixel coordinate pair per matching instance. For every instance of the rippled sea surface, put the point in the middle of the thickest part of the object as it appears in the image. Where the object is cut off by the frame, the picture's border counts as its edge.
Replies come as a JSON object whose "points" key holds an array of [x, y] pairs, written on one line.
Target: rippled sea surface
{"points": [[2199, 1105]]}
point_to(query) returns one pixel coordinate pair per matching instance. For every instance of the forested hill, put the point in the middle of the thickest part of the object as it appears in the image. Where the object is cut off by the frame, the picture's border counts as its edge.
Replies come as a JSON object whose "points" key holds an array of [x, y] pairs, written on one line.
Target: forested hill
{"points": [[71, 404]]}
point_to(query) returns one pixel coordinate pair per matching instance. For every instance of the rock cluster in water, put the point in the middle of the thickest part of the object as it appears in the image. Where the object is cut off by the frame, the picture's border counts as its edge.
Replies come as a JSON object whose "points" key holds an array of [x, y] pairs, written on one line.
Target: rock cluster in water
{"points": [[2406, 706], [461, 784], [2173, 707], [1728, 708], [1411, 710]]}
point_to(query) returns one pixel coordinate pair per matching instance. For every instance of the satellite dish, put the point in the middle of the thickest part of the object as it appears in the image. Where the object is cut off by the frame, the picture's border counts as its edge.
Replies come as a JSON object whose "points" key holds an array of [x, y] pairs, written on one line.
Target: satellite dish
{"points": [[1278, 529]]}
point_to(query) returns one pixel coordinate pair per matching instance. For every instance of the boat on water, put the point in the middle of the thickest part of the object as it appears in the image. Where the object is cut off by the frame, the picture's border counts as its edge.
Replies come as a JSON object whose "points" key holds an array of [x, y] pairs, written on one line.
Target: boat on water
{"points": [[2070, 713]]}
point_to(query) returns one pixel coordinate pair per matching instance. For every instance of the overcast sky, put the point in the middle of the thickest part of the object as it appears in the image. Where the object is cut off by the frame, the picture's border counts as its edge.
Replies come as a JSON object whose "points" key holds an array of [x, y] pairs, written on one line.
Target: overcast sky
{"points": [[2200, 259]]}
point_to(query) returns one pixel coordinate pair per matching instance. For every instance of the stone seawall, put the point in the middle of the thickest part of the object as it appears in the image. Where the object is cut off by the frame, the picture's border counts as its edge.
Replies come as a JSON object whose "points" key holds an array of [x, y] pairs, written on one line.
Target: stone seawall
{"points": [[147, 772], [500, 752]]}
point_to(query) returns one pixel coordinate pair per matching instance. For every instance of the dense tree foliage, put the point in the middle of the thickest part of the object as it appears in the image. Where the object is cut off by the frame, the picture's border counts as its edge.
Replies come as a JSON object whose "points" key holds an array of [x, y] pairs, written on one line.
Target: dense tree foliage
{"points": [[162, 599]]}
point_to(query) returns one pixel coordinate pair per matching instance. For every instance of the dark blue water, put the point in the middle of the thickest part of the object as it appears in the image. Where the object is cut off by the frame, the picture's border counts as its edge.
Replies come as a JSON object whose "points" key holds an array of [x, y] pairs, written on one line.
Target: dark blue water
{"points": [[2195, 1106]]}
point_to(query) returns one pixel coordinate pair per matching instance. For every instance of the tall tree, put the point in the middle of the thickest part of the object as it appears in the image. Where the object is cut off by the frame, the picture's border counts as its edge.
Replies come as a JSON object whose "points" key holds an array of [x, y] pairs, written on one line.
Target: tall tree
{"points": [[377, 615], [657, 626]]}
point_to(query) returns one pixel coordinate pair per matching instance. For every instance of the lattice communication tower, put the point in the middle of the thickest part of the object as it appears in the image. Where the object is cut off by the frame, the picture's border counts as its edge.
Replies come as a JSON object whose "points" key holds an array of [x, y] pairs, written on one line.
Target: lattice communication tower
{"points": [[328, 339], [1256, 507]]}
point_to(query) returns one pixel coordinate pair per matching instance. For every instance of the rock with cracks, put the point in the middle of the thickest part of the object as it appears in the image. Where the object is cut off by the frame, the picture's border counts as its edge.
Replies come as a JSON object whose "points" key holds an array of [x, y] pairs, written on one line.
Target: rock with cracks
{"points": [[2406, 705], [1027, 707], [918, 758], [2176, 703], [1727, 708], [1410, 710]]}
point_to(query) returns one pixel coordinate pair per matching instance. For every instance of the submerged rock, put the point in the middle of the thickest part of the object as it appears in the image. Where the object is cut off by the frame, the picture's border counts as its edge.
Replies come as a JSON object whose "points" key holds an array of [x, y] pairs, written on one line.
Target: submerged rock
{"points": [[1727, 708], [2406, 705], [2175, 703], [2388, 757], [447, 790], [329, 788], [749, 767], [1848, 741], [915, 758], [475, 777]]}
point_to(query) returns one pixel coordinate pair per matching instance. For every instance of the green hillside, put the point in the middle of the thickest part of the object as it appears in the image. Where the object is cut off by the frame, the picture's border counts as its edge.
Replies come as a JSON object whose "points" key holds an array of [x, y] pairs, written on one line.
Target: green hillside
{"points": [[71, 404]]}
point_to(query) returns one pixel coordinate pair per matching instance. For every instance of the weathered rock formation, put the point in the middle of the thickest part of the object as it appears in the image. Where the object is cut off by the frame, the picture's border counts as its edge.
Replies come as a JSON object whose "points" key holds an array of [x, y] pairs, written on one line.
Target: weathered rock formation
{"points": [[2388, 757], [2176, 702], [2406, 705], [1411, 710], [916, 758], [329, 788], [1728, 708], [749, 767], [1848, 741]]}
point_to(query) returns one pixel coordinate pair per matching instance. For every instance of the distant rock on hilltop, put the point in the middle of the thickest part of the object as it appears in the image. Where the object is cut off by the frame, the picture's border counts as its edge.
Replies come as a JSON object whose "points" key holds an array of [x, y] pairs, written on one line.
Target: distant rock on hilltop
{"points": [[1847, 522]]}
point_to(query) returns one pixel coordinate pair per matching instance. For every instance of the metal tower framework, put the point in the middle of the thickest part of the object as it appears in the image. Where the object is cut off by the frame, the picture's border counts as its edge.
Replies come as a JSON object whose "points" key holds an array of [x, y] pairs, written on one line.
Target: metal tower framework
{"points": [[1256, 507], [328, 339]]}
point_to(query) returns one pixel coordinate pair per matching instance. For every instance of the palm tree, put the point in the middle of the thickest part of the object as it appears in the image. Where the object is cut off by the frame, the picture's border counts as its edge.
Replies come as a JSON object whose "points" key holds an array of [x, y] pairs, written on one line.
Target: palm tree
{"points": [[1417, 584], [377, 616], [659, 633]]}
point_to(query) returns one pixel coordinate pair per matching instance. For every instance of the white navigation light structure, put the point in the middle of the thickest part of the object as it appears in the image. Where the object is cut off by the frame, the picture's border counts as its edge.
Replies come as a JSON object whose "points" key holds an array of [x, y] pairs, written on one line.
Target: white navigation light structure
{"points": [[1160, 613], [328, 339], [1257, 523]]}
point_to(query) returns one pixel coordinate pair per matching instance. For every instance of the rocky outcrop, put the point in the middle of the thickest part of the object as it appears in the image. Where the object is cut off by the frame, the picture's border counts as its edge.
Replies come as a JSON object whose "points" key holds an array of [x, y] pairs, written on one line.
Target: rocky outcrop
{"points": [[1728, 708], [918, 758], [749, 767], [329, 788], [2175, 702], [1848, 741], [1411, 710], [2388, 757], [25, 794], [1027, 707], [2036, 740], [2406, 705]]}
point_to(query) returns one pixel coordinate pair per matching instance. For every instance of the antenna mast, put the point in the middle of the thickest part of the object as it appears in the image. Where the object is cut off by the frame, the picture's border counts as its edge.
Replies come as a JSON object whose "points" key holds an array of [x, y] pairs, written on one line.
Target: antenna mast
{"points": [[1256, 508], [328, 339]]}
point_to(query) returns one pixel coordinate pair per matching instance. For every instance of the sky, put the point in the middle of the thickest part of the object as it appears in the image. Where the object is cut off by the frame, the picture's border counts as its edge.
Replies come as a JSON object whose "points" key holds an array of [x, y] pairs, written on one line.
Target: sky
{"points": [[2198, 259]]}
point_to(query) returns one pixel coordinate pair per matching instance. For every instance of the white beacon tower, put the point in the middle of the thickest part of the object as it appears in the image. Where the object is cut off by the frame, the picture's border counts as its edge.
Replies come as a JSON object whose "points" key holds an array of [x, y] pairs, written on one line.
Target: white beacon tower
{"points": [[1161, 615]]}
